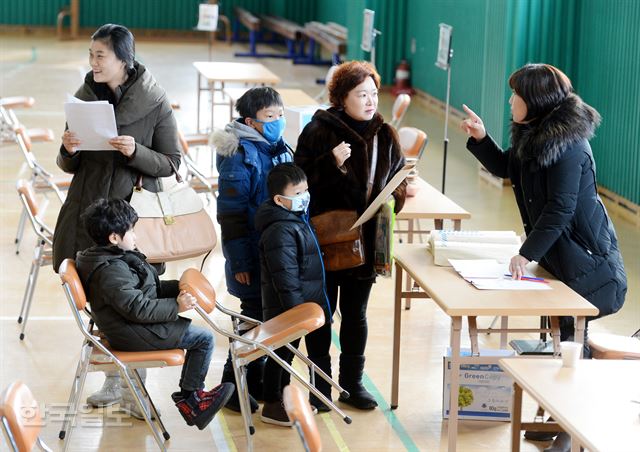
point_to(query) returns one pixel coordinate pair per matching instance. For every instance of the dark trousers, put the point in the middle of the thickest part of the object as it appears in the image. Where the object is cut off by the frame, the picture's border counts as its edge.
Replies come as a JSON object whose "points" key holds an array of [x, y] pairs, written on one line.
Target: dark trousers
{"points": [[354, 298], [251, 307]]}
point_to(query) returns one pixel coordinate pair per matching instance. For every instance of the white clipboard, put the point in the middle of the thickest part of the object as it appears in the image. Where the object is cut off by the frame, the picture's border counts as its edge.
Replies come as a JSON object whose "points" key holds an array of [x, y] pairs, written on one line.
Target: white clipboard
{"points": [[384, 194]]}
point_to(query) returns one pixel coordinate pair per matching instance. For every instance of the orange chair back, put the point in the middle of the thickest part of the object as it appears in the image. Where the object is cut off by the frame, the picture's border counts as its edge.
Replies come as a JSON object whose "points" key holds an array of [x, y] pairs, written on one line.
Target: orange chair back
{"points": [[21, 411], [412, 142], [400, 107], [299, 411], [69, 276], [25, 188], [195, 283]]}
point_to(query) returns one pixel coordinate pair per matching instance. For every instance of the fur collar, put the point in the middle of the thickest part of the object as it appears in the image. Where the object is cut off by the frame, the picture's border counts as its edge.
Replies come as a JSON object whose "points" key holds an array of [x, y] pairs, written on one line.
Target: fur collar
{"points": [[543, 141], [331, 117]]}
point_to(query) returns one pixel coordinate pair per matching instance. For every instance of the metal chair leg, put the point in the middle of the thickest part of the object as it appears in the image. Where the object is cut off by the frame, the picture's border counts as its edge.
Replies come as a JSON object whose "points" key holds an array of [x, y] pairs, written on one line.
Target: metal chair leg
{"points": [[137, 394], [73, 409], [20, 231], [154, 412], [240, 373], [31, 287]]}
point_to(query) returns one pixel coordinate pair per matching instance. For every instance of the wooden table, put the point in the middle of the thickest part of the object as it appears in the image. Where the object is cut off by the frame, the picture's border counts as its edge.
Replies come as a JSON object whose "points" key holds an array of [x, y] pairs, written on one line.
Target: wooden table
{"points": [[592, 402], [291, 97], [428, 204], [215, 72], [458, 299]]}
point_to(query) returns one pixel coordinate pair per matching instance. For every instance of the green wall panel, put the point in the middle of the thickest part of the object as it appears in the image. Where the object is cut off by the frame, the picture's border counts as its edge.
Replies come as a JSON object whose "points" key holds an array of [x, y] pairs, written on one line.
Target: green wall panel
{"points": [[30, 12], [608, 78]]}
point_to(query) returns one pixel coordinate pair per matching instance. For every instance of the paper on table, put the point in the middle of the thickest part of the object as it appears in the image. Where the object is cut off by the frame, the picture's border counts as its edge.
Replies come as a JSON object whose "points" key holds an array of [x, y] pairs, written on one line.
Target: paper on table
{"points": [[93, 122], [488, 274], [384, 194]]}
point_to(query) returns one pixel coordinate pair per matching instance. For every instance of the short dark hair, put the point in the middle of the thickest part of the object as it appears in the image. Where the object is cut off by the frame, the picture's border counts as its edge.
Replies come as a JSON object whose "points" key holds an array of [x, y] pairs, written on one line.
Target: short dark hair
{"points": [[120, 40], [105, 217], [347, 76], [256, 99], [542, 87], [282, 175]]}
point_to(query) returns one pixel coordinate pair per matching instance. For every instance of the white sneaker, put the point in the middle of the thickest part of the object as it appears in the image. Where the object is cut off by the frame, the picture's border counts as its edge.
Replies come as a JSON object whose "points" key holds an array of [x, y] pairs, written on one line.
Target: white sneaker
{"points": [[109, 394]]}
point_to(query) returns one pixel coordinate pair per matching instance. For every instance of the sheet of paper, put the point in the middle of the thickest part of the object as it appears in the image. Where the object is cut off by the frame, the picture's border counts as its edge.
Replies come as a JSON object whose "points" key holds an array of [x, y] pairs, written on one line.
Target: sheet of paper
{"points": [[384, 194], [93, 122], [488, 274]]}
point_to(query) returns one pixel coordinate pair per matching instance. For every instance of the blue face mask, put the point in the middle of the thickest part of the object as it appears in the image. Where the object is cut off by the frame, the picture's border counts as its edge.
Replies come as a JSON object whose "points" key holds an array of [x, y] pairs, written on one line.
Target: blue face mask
{"points": [[299, 203], [272, 131]]}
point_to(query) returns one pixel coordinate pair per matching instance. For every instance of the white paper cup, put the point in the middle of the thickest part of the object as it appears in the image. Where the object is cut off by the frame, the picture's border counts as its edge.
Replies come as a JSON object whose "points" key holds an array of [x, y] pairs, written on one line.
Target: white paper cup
{"points": [[571, 352]]}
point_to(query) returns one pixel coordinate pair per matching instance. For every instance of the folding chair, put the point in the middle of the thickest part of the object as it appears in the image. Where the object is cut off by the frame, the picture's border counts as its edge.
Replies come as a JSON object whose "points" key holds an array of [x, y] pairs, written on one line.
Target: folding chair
{"points": [[299, 411], [196, 179], [42, 180], [21, 421], [97, 356], [412, 141], [42, 254], [9, 121], [264, 339], [400, 107], [322, 95]]}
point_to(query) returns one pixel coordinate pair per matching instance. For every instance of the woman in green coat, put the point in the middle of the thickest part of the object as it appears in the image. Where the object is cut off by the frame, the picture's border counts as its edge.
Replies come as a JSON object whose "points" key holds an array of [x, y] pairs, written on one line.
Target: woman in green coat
{"points": [[147, 139]]}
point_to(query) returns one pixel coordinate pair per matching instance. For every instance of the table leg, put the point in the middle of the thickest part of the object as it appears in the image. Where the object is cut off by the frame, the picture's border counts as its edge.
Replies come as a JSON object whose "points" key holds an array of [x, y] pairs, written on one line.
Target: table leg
{"points": [[407, 302], [198, 103], [575, 445], [504, 324], [456, 327], [555, 335], [516, 418], [395, 373], [579, 331], [473, 335], [457, 225]]}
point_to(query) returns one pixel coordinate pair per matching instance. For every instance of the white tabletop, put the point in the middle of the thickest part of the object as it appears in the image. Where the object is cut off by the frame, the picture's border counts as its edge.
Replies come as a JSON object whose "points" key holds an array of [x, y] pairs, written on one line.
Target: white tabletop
{"points": [[592, 401], [430, 203], [456, 297], [216, 71]]}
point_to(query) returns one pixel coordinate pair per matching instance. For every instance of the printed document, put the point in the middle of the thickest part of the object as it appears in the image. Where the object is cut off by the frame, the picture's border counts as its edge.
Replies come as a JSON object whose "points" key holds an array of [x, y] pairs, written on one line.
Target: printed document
{"points": [[489, 274], [93, 122]]}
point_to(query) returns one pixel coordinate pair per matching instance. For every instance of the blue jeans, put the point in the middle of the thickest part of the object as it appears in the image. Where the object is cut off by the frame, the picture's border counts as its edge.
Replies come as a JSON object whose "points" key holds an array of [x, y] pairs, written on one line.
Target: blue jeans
{"points": [[198, 342]]}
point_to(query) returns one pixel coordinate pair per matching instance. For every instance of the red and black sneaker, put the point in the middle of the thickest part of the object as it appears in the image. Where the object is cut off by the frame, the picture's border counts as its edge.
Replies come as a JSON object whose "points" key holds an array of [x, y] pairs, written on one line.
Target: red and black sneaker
{"points": [[200, 408]]}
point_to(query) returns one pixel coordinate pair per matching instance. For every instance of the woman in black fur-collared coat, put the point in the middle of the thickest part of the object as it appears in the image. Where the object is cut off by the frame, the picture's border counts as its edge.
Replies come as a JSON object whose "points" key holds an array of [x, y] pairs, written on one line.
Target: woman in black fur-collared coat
{"points": [[336, 151], [553, 172]]}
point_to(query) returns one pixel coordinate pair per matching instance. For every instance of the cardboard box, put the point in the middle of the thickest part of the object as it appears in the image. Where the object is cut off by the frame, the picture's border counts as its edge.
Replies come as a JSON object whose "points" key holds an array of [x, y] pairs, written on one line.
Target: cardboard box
{"points": [[486, 388], [297, 118]]}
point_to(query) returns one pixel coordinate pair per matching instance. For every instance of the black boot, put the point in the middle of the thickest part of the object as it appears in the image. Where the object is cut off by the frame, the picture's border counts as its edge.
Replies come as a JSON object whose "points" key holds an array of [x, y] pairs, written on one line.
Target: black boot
{"points": [[351, 369], [255, 375], [324, 363], [233, 403]]}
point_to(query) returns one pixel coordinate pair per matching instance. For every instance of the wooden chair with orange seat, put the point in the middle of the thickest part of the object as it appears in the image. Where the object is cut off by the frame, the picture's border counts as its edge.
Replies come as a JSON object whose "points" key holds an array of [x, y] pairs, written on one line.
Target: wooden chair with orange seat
{"points": [[42, 254], [196, 179], [97, 356], [413, 142], [400, 107], [20, 416], [9, 121], [42, 180], [264, 339], [299, 411]]}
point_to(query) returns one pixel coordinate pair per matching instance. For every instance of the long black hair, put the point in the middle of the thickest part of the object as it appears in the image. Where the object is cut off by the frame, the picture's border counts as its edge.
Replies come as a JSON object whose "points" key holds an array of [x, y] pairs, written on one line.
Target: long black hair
{"points": [[120, 40]]}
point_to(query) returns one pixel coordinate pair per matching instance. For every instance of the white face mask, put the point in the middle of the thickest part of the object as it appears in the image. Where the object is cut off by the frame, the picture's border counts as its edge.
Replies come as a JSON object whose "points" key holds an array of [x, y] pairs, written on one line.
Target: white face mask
{"points": [[299, 203]]}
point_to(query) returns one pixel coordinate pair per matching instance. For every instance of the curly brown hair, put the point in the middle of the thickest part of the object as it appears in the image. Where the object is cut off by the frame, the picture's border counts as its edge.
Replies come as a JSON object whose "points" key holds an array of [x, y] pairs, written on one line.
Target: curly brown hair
{"points": [[347, 76]]}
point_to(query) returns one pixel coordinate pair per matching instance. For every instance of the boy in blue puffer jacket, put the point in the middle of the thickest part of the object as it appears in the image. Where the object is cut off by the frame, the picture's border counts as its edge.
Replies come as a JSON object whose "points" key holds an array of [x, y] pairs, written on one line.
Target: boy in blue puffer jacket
{"points": [[247, 149]]}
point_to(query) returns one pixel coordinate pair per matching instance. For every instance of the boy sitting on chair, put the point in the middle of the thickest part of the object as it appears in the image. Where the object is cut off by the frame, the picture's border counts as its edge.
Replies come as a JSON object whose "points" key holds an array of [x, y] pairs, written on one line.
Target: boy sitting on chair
{"points": [[137, 312], [292, 273]]}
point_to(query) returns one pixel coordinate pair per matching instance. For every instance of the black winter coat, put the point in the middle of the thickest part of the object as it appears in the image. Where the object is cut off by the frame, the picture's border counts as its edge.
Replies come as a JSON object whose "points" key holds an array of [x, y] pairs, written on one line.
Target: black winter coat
{"points": [[331, 188], [131, 306], [291, 265], [568, 230]]}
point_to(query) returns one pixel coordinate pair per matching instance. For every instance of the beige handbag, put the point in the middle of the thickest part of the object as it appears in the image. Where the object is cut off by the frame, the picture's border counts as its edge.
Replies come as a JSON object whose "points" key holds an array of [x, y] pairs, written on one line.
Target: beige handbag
{"points": [[172, 224]]}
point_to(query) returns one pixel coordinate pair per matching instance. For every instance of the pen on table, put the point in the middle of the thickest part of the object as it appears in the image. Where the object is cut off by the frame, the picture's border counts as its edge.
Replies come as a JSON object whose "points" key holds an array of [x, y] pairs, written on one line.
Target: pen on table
{"points": [[529, 278]]}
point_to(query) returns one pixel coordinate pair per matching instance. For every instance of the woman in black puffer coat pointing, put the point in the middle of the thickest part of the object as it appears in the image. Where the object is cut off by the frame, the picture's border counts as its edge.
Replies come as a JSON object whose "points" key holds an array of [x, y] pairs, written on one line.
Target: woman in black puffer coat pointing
{"points": [[553, 172]]}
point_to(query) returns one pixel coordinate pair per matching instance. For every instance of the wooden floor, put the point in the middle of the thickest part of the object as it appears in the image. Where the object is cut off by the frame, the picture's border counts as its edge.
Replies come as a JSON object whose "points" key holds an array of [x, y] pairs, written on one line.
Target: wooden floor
{"points": [[47, 69]]}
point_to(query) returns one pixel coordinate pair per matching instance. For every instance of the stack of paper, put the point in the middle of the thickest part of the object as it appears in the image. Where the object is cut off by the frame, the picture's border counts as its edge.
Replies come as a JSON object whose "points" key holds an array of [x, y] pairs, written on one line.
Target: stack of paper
{"points": [[498, 245], [94, 123], [489, 274]]}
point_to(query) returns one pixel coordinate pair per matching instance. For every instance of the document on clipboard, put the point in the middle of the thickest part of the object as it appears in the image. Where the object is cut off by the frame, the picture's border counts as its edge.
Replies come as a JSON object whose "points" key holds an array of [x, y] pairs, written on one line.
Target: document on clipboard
{"points": [[93, 122], [384, 194]]}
